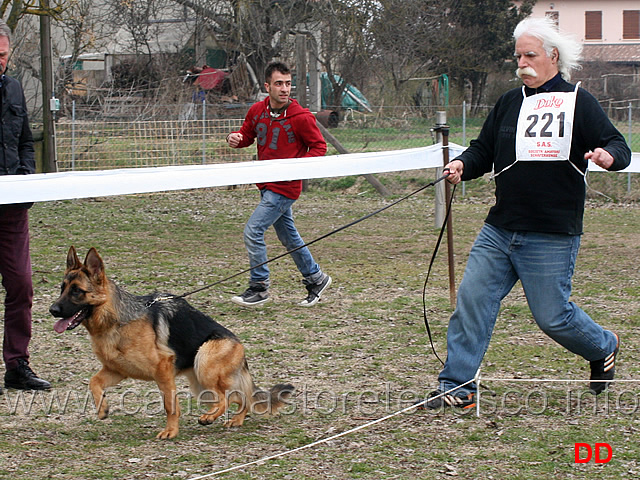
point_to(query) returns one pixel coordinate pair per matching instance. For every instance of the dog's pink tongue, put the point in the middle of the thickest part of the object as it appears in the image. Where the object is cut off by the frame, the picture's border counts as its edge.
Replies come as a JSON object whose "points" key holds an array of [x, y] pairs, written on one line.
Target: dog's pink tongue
{"points": [[61, 325]]}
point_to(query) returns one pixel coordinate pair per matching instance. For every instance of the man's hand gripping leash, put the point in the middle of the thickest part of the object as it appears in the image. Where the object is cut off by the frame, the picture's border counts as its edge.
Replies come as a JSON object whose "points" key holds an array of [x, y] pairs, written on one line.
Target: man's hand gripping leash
{"points": [[454, 170]]}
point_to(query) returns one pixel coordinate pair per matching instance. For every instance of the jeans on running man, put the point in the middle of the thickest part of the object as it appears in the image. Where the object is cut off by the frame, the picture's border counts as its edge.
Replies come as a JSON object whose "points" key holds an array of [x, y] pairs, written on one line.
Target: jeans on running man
{"points": [[275, 209], [544, 264]]}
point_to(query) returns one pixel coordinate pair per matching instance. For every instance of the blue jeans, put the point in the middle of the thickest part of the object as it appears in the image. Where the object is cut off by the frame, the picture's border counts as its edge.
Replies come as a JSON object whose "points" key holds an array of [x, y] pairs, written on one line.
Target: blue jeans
{"points": [[275, 209], [544, 264]]}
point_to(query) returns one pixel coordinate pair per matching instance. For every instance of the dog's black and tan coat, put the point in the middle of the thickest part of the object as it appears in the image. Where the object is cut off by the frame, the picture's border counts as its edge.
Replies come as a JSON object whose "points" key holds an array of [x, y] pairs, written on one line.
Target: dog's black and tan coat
{"points": [[156, 337]]}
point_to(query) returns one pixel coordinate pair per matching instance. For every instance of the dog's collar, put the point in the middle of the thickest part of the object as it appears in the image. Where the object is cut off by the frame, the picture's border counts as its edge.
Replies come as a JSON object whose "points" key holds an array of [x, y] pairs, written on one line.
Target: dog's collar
{"points": [[160, 298]]}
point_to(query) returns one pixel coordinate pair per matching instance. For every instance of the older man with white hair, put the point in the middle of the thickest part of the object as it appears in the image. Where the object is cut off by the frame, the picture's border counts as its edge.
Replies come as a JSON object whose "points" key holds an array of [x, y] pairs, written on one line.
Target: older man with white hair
{"points": [[537, 141]]}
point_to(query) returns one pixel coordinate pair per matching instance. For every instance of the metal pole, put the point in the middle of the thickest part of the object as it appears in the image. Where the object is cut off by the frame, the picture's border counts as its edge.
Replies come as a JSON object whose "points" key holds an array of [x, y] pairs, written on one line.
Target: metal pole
{"points": [[440, 199], [442, 130], [452, 275], [629, 142], [204, 131], [464, 138], [73, 135], [48, 128]]}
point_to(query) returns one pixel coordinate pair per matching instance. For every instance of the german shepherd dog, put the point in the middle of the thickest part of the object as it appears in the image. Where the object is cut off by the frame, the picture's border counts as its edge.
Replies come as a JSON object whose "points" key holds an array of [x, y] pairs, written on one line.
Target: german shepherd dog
{"points": [[157, 337]]}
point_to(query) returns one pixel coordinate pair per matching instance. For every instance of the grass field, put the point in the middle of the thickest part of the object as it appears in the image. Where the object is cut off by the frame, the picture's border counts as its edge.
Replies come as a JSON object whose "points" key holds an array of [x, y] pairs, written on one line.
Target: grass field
{"points": [[361, 354]]}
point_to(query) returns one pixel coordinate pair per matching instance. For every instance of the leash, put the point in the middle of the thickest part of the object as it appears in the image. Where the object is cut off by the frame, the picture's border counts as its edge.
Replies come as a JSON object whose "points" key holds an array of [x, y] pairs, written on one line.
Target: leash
{"points": [[339, 229], [433, 257], [333, 232]]}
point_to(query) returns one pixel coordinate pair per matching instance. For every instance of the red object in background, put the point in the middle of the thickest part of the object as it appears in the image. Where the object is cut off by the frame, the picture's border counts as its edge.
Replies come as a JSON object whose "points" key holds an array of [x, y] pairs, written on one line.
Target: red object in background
{"points": [[210, 79]]}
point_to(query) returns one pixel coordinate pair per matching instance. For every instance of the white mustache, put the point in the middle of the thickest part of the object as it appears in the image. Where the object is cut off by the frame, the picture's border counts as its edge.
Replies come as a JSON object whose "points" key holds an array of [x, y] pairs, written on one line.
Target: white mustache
{"points": [[526, 71]]}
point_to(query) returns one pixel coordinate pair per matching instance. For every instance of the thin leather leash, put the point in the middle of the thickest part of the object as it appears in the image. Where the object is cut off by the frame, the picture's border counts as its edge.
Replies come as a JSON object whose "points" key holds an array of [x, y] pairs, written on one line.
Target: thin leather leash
{"points": [[333, 232], [433, 257]]}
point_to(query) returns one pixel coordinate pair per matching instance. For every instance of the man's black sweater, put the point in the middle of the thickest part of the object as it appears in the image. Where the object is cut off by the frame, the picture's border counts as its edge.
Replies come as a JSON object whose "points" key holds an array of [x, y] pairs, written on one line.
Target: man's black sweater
{"points": [[541, 196]]}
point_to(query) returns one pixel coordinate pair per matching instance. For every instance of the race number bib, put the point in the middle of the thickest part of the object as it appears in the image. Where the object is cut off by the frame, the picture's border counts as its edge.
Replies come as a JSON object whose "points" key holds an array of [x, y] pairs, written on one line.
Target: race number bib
{"points": [[545, 126]]}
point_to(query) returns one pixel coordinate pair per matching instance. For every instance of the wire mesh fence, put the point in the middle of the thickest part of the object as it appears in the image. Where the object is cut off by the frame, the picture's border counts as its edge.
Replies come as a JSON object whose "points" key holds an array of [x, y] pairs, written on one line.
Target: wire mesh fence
{"points": [[191, 134], [100, 145], [198, 136]]}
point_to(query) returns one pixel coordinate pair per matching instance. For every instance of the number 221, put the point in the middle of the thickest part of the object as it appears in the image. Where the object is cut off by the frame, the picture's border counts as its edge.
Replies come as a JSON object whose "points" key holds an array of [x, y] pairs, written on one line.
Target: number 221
{"points": [[545, 130]]}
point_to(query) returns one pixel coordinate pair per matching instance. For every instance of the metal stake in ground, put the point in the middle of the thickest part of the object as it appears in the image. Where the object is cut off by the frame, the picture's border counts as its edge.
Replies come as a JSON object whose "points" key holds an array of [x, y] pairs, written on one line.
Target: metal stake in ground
{"points": [[442, 135]]}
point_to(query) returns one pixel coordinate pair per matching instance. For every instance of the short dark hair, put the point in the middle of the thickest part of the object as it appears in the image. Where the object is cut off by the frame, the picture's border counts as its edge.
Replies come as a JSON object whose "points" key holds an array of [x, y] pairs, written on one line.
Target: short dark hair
{"points": [[275, 67]]}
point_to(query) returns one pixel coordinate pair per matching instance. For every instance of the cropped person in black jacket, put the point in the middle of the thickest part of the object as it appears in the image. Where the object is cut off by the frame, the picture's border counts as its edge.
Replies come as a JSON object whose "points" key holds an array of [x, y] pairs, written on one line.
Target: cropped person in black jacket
{"points": [[537, 141], [16, 158]]}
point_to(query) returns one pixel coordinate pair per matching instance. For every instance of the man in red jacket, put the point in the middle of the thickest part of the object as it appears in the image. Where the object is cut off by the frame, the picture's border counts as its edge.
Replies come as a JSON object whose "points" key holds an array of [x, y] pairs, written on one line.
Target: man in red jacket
{"points": [[282, 129]]}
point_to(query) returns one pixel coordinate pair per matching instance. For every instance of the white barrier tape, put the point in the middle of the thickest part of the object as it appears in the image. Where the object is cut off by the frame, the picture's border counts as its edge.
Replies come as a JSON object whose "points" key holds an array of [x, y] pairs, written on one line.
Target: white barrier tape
{"points": [[67, 185], [44, 187], [634, 166]]}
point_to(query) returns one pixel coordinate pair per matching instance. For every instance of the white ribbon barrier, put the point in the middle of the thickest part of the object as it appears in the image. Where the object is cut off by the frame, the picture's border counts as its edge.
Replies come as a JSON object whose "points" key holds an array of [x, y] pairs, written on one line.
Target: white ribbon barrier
{"points": [[634, 166], [44, 187]]}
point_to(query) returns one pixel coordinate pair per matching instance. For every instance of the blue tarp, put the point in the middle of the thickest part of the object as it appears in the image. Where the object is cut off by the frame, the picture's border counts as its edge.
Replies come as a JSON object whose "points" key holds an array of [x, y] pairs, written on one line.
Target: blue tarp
{"points": [[351, 98]]}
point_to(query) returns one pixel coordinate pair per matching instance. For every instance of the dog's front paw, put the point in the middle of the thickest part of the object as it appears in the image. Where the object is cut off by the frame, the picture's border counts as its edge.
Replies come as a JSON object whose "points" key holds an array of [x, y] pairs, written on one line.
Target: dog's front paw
{"points": [[207, 419], [167, 434], [103, 413], [234, 422]]}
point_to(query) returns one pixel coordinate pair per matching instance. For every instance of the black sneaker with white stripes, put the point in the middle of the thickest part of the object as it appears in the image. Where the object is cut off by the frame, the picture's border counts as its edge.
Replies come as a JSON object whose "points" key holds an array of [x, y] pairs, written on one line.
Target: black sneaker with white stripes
{"points": [[603, 371], [315, 290], [438, 399], [251, 297]]}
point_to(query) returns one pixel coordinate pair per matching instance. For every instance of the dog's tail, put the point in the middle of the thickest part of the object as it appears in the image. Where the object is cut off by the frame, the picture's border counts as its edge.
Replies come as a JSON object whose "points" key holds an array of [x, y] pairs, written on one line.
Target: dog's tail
{"points": [[221, 376], [261, 401], [272, 401]]}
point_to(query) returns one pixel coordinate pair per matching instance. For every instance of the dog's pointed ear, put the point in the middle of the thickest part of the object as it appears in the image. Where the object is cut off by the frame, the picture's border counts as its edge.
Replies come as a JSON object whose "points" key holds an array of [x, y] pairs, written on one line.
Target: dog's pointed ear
{"points": [[94, 264], [73, 262]]}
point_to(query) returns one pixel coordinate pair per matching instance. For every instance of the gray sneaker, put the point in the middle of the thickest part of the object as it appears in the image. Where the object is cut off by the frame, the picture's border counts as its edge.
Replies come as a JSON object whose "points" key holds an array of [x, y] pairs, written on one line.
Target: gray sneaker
{"points": [[315, 290], [251, 296]]}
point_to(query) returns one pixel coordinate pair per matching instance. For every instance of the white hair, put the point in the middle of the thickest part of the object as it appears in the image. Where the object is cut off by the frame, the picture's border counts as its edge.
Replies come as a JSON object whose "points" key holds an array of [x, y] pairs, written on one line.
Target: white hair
{"points": [[545, 29]]}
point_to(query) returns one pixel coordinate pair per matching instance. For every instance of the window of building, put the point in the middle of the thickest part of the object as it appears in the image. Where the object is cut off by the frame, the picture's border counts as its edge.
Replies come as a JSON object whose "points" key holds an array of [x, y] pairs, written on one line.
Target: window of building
{"points": [[593, 25], [631, 24]]}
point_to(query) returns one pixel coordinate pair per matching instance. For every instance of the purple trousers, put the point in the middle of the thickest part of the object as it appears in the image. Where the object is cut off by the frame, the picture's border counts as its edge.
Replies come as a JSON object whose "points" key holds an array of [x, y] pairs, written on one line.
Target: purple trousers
{"points": [[15, 268]]}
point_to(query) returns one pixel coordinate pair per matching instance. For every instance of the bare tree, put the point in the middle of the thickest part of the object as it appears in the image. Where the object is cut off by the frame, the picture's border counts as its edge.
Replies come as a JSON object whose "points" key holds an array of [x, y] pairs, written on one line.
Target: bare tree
{"points": [[257, 29], [18, 9], [82, 31], [21, 17], [406, 33], [342, 42], [477, 39], [136, 17]]}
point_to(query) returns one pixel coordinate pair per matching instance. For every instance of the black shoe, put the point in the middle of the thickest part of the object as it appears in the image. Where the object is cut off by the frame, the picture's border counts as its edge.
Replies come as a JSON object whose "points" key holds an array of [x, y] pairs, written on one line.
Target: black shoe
{"points": [[23, 378], [315, 290], [604, 371], [438, 399], [252, 296]]}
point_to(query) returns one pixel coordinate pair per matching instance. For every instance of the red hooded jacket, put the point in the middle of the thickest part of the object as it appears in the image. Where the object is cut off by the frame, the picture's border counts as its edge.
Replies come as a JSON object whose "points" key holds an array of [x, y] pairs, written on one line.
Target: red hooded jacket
{"points": [[294, 134]]}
